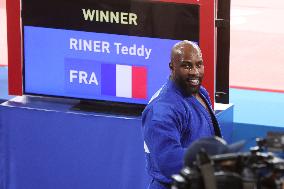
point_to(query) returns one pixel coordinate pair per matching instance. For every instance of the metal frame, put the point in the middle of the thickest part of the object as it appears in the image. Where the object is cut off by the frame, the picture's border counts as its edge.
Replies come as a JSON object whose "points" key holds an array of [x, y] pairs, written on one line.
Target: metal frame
{"points": [[222, 24]]}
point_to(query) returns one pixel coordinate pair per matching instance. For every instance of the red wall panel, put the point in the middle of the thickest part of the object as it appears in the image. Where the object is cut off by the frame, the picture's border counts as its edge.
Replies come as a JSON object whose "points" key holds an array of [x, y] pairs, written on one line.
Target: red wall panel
{"points": [[14, 47]]}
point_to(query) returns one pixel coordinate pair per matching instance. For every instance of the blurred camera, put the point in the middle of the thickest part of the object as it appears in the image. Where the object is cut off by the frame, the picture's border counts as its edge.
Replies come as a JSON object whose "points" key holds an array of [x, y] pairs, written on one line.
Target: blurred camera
{"points": [[212, 164]]}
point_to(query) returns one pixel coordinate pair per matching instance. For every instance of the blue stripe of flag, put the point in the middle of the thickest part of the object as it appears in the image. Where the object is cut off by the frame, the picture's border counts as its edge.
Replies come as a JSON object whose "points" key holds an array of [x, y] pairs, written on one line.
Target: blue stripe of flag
{"points": [[108, 79]]}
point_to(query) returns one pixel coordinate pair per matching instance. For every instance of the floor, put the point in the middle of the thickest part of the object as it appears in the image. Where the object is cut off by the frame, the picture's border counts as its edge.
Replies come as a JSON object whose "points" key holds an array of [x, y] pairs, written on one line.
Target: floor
{"points": [[257, 36], [258, 107], [4, 84], [256, 67]]}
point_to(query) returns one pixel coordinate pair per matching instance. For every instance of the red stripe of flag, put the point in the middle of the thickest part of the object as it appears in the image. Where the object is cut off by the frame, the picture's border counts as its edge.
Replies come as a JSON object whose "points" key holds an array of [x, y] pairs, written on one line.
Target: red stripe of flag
{"points": [[139, 82]]}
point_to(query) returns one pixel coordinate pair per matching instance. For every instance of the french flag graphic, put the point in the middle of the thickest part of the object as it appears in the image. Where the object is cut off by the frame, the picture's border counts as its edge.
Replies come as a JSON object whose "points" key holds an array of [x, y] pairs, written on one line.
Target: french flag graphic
{"points": [[124, 81]]}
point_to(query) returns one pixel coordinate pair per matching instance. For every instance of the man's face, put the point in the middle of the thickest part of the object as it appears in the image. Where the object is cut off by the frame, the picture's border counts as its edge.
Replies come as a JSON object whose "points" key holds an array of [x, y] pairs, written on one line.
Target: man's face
{"points": [[188, 70]]}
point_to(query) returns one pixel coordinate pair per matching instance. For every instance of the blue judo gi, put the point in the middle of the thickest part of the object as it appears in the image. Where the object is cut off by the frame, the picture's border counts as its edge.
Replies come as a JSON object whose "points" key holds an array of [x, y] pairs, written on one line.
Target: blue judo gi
{"points": [[170, 123]]}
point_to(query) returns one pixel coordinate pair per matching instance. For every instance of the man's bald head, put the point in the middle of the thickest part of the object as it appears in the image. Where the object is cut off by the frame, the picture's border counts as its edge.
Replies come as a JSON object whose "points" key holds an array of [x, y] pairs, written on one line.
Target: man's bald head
{"points": [[181, 47]]}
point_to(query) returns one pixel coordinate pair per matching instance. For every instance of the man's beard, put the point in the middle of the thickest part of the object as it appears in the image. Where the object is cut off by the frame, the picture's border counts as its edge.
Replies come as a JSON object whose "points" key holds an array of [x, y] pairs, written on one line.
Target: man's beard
{"points": [[188, 89]]}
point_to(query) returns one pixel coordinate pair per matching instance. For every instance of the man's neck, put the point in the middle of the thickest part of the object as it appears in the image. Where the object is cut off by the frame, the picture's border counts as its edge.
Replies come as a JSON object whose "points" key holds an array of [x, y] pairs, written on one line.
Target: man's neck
{"points": [[196, 95]]}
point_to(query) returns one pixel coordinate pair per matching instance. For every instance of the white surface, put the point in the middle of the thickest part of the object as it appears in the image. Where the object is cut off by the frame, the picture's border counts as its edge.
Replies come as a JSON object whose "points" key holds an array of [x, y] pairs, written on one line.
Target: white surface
{"points": [[3, 35], [219, 106]]}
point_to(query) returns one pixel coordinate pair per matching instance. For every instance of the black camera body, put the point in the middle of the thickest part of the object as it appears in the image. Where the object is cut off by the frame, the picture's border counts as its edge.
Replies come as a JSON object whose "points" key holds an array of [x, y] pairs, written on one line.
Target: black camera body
{"points": [[195, 180], [257, 169]]}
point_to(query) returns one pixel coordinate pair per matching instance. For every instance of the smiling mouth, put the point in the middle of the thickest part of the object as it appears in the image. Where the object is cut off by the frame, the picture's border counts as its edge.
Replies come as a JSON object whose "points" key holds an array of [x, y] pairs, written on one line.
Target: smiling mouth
{"points": [[193, 82]]}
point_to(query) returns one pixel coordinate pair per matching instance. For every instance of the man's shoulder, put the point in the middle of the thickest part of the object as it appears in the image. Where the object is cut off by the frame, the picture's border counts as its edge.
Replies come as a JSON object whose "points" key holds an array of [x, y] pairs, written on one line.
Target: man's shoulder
{"points": [[166, 103], [163, 108], [166, 98]]}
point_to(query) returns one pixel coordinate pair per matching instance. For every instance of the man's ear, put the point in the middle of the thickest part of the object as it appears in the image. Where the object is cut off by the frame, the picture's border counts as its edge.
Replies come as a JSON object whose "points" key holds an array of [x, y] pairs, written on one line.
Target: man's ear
{"points": [[171, 66]]}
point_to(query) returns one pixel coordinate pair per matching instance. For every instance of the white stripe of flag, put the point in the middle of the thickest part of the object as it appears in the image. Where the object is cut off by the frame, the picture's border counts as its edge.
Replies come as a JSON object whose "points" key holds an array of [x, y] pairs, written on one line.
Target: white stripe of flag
{"points": [[123, 81]]}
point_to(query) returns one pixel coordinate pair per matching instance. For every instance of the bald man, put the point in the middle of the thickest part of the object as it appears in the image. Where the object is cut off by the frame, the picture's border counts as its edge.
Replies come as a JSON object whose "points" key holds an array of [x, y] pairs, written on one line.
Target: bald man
{"points": [[178, 114]]}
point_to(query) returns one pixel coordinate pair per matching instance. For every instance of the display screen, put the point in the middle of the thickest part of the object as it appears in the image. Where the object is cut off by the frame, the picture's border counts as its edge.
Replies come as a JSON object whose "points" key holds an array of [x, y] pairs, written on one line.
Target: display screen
{"points": [[102, 50]]}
